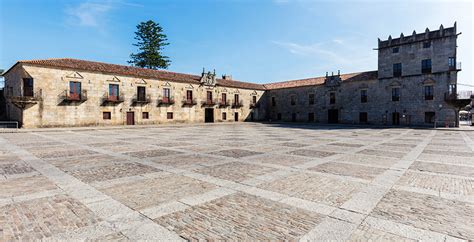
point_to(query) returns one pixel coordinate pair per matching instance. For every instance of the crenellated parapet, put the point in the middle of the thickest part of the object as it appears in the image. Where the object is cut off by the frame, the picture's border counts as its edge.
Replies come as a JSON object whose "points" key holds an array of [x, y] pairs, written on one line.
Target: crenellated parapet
{"points": [[417, 37]]}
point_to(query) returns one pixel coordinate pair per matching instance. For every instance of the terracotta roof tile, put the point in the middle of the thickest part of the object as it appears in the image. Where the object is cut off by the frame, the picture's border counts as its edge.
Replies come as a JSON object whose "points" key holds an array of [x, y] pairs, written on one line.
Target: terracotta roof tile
{"points": [[350, 77], [76, 64]]}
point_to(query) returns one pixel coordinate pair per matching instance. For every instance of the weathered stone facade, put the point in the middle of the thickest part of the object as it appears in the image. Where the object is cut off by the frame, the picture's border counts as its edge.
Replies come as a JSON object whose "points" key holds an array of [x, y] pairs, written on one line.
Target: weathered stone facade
{"points": [[414, 84], [49, 107], [419, 70]]}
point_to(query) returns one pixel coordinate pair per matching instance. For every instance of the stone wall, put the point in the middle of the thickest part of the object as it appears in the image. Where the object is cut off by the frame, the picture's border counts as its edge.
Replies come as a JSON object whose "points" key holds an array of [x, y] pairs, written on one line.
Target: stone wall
{"points": [[379, 106], [51, 111]]}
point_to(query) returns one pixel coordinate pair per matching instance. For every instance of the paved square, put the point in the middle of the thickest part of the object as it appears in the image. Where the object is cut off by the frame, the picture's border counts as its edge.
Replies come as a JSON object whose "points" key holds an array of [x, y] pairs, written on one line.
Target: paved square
{"points": [[245, 181]]}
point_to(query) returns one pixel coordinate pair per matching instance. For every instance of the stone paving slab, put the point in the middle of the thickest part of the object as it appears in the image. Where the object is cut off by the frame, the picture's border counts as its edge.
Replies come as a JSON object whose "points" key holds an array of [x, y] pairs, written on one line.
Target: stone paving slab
{"points": [[244, 181], [235, 171], [114, 171], [236, 153], [443, 168], [315, 188], [438, 183], [42, 218], [25, 185], [358, 171], [143, 194], [241, 217], [428, 212]]}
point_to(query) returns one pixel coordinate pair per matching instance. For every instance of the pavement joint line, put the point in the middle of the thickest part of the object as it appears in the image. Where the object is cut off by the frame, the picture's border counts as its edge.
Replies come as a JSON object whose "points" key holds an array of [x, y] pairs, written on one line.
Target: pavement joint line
{"points": [[405, 230], [361, 202], [53, 173]]}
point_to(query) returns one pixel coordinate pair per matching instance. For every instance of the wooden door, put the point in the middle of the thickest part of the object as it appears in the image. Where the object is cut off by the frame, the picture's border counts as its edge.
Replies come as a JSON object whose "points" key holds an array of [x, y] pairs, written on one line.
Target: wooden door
{"points": [[209, 115], [333, 116], [236, 117], [396, 118], [130, 118]]}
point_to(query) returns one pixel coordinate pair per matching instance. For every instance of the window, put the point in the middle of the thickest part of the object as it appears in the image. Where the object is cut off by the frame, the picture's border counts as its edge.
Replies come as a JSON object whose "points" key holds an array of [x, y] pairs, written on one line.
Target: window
{"points": [[427, 44], [166, 93], [145, 115], [224, 116], [224, 99], [169, 115], [236, 99], [106, 115], [428, 92], [189, 96], [332, 98], [311, 99], [292, 100], [397, 69], [363, 118], [273, 101], [254, 99], [310, 117], [452, 63], [27, 87], [293, 117], [363, 96], [426, 66], [141, 94], [395, 50], [209, 97], [430, 117], [278, 116], [396, 94], [113, 91], [75, 90]]}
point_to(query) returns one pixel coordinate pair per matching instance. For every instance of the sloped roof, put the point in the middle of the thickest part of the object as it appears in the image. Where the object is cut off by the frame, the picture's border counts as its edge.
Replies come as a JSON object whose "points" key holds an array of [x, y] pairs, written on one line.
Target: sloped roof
{"points": [[75, 64], [350, 77]]}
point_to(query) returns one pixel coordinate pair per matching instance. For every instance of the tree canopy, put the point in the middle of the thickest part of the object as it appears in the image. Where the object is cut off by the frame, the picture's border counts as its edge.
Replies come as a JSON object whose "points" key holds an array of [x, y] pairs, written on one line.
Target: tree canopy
{"points": [[150, 42]]}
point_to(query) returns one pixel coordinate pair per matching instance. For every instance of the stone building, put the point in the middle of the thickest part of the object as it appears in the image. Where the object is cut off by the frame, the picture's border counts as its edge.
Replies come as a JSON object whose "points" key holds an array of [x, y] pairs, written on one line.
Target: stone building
{"points": [[69, 92], [415, 84]]}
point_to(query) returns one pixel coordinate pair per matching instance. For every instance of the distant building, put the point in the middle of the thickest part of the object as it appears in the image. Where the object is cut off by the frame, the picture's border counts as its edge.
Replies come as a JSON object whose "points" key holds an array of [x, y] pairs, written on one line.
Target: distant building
{"points": [[415, 84]]}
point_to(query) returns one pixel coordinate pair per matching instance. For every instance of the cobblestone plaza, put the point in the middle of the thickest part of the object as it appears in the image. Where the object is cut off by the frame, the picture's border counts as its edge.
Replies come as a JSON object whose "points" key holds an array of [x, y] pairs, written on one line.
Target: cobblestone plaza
{"points": [[243, 181]]}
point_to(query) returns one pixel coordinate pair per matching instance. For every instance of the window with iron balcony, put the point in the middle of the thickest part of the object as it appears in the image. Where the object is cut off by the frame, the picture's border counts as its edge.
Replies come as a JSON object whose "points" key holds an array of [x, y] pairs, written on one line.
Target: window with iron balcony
{"points": [[428, 92], [426, 66]]}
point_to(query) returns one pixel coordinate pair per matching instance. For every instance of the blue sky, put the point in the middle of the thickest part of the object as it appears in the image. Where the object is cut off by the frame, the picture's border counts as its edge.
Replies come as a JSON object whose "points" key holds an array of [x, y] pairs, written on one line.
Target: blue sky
{"points": [[258, 41]]}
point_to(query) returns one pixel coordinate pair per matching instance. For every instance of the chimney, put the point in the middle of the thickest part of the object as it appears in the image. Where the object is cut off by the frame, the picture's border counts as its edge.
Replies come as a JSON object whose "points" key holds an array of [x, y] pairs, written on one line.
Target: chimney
{"points": [[226, 77], [441, 30]]}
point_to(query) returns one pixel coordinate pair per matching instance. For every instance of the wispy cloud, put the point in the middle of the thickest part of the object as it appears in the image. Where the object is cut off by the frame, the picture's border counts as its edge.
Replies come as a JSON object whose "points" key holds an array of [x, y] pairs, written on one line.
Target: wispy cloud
{"points": [[89, 14], [318, 49], [334, 54]]}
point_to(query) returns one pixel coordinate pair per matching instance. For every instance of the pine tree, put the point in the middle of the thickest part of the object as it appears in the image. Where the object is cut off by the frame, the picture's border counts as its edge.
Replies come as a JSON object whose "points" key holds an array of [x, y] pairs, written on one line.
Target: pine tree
{"points": [[150, 43]]}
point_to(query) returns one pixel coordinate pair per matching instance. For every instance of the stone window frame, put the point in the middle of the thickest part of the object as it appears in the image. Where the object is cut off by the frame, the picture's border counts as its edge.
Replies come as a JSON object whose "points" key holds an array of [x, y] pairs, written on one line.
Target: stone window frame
{"points": [[428, 97], [145, 115], [106, 115], [362, 100], [311, 101], [332, 98], [273, 101], [293, 100], [396, 50], [397, 69], [224, 116], [396, 94], [169, 115]]}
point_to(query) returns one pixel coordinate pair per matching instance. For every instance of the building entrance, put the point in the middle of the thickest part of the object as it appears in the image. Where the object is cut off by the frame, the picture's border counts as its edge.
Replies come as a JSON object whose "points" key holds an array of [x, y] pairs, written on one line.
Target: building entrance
{"points": [[209, 115], [333, 116], [130, 118], [396, 118]]}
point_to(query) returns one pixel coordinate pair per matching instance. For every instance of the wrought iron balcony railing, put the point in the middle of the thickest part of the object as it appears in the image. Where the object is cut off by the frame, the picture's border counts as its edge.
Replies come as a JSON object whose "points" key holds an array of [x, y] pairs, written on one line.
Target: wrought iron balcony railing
{"points": [[224, 103], [209, 103], [455, 67], [166, 101], [68, 96], [141, 99], [254, 105], [237, 104], [112, 99], [189, 102]]}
